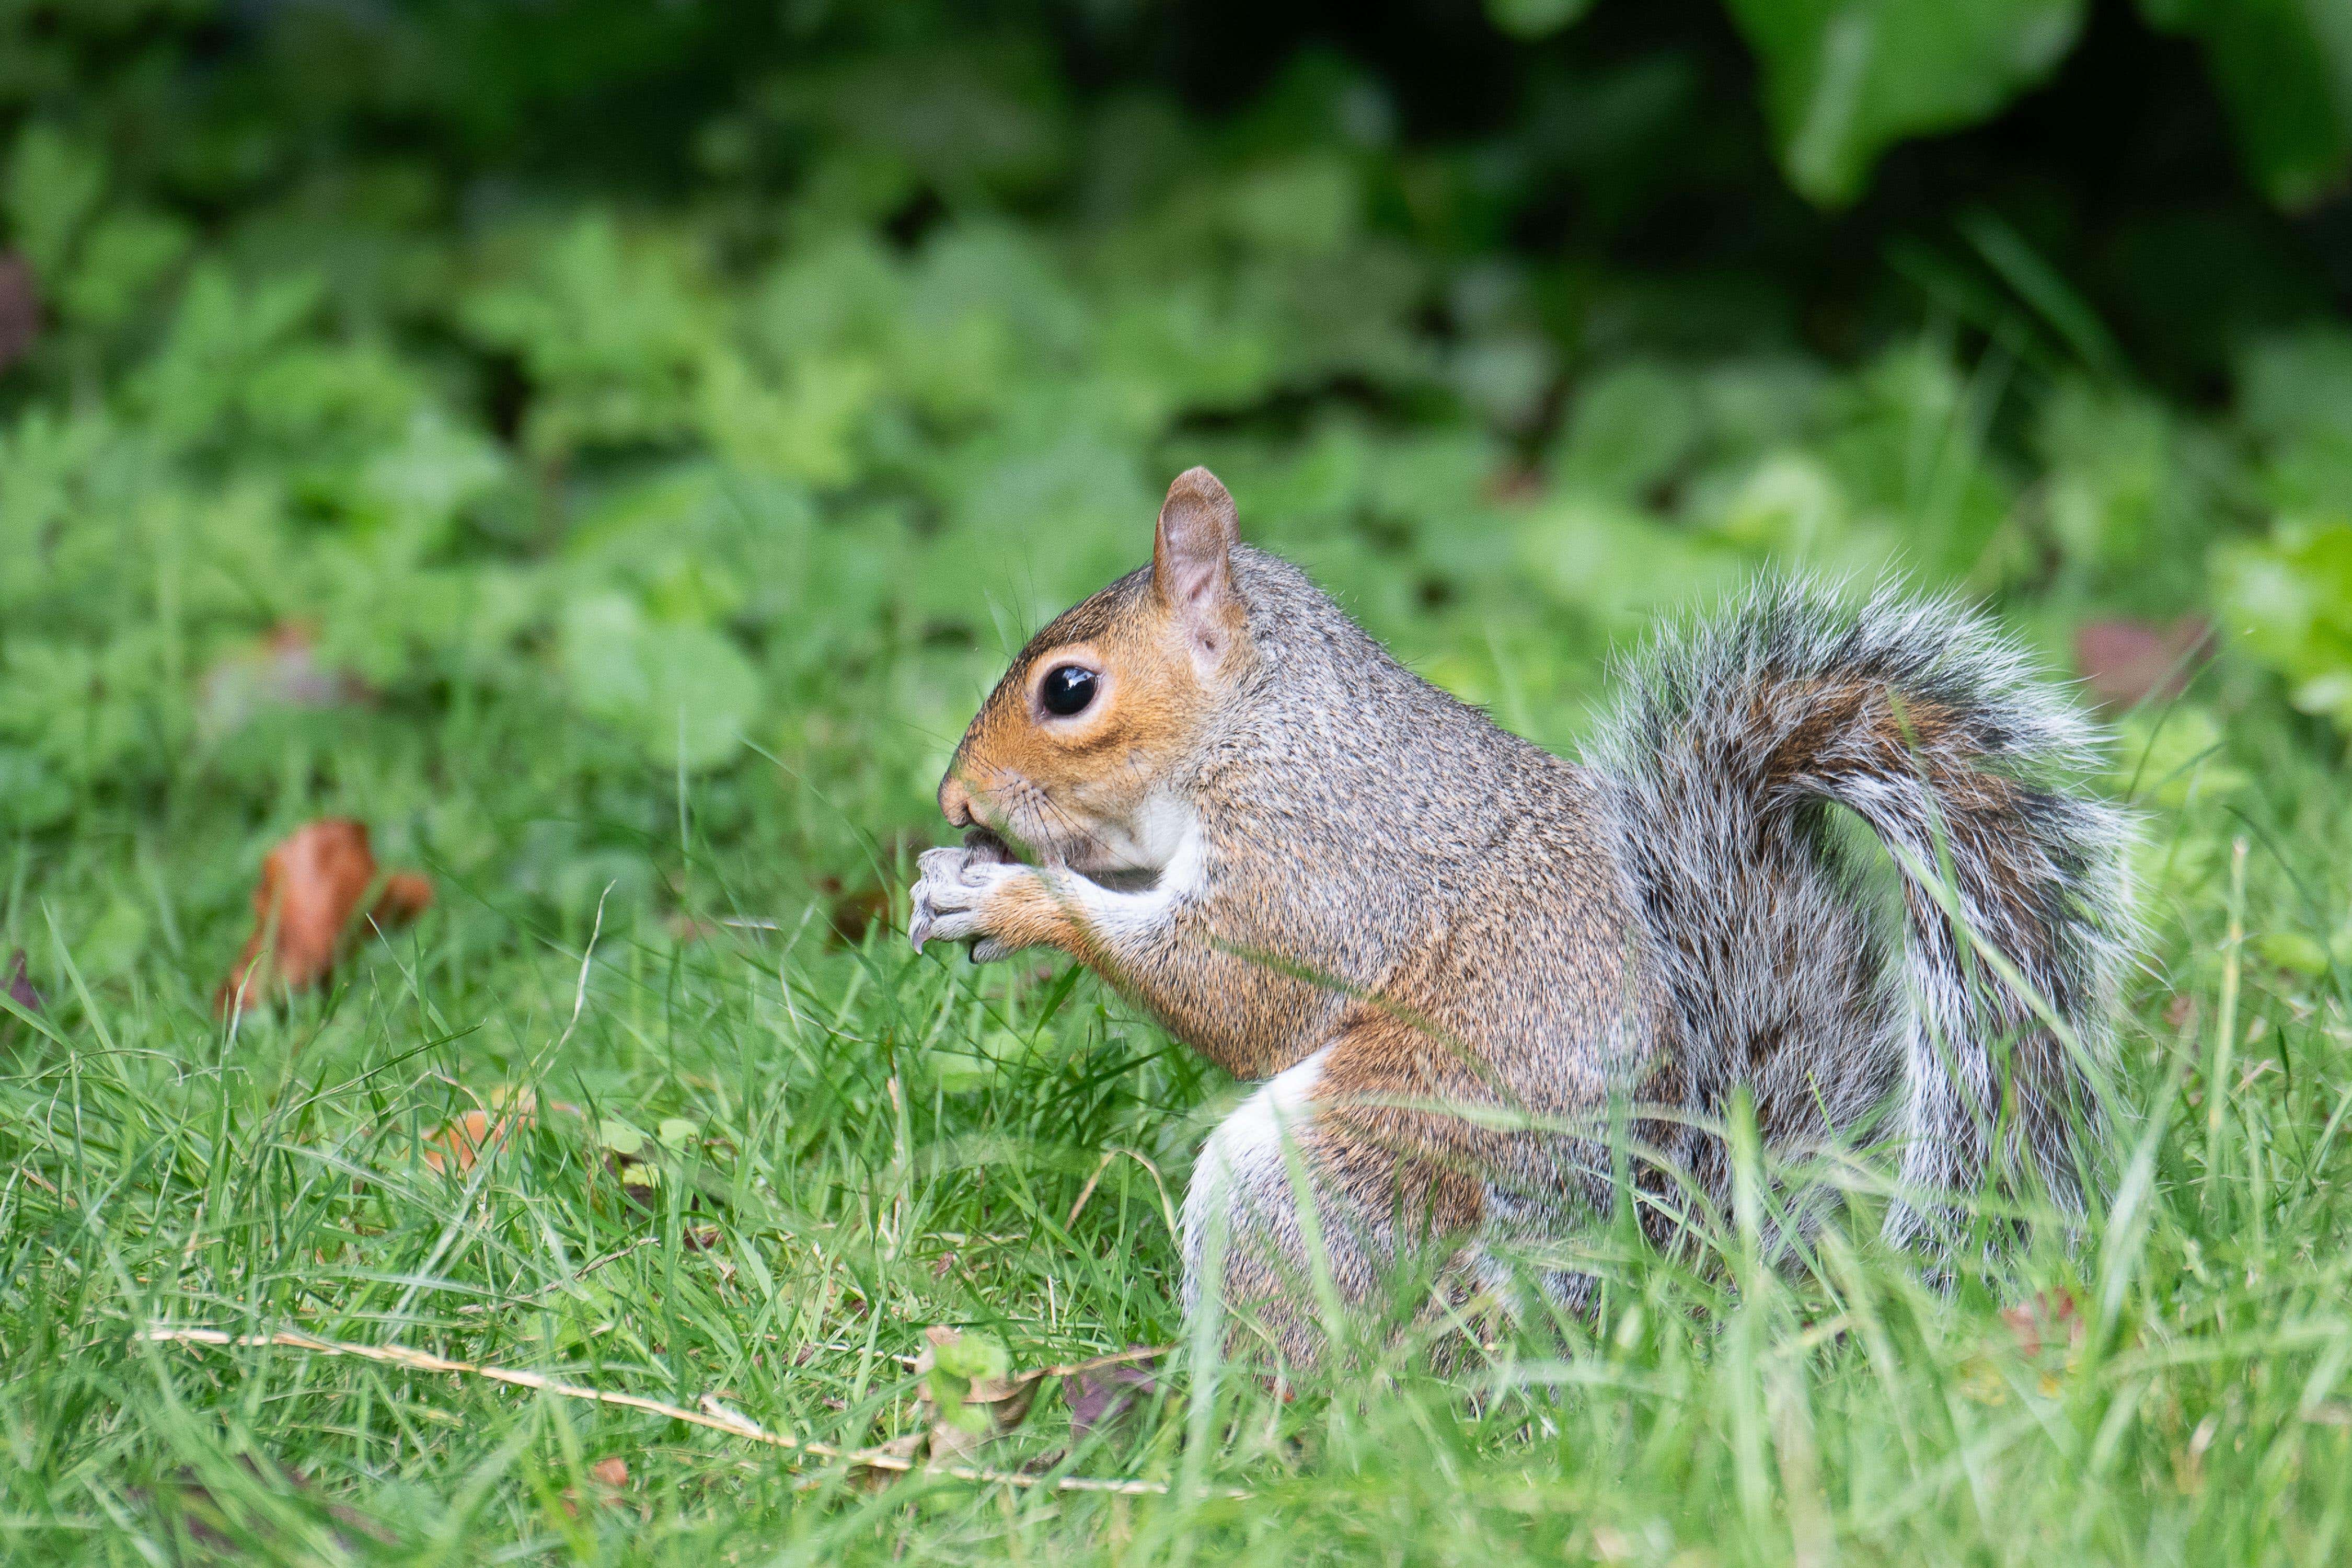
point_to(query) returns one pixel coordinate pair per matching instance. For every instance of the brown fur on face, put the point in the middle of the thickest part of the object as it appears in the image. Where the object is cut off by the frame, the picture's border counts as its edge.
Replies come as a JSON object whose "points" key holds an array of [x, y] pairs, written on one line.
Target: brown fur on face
{"points": [[1090, 790], [1039, 779]]}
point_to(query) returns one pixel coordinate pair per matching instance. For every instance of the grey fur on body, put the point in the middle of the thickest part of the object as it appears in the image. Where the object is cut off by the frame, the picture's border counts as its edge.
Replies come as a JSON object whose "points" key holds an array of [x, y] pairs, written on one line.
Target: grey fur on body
{"points": [[1733, 734], [1449, 951]]}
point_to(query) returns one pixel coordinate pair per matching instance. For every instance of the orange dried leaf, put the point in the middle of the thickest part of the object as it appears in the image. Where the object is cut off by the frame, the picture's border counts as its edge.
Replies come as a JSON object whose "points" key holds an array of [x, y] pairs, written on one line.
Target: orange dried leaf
{"points": [[611, 1472], [406, 896], [456, 1146], [311, 887], [462, 1141]]}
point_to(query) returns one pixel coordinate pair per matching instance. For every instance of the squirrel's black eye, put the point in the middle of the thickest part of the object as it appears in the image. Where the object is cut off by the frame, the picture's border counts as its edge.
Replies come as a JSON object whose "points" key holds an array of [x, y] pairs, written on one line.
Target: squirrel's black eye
{"points": [[1067, 689]]}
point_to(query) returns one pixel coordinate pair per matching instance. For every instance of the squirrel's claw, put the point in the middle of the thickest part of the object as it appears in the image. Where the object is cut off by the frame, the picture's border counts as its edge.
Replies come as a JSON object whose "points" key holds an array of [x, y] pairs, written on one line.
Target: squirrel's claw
{"points": [[954, 884], [936, 868]]}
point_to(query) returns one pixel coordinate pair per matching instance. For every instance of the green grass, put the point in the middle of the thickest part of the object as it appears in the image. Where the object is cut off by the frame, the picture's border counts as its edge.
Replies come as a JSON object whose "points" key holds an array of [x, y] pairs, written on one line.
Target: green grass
{"points": [[883, 1142]]}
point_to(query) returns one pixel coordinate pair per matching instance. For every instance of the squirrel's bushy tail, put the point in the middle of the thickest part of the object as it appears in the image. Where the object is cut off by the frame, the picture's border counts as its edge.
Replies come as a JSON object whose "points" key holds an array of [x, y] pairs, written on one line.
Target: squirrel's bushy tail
{"points": [[1920, 718]]}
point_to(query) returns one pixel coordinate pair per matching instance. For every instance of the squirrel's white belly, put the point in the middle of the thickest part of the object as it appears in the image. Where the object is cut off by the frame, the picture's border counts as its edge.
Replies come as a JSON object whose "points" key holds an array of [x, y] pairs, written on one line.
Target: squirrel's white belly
{"points": [[1170, 839], [1245, 1153]]}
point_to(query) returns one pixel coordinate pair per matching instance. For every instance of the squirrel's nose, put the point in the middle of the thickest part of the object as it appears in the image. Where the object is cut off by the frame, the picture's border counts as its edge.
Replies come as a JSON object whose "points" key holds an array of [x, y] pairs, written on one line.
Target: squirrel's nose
{"points": [[955, 801]]}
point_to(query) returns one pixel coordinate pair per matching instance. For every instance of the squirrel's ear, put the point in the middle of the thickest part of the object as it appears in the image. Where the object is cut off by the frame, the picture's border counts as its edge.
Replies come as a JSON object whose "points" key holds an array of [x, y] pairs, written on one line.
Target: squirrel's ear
{"points": [[1191, 560]]}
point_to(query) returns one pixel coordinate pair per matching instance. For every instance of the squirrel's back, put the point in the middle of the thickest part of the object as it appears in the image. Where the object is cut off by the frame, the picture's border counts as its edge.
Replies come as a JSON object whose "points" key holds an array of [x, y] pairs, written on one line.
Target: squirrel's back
{"points": [[1469, 869], [1680, 917]]}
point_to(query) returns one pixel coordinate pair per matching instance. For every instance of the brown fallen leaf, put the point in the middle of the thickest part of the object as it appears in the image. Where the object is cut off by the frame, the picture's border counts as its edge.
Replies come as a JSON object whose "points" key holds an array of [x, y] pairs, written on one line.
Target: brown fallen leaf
{"points": [[311, 886], [969, 1390], [459, 1144], [2052, 1317], [406, 896], [611, 1472], [20, 309], [1101, 1395], [2125, 662], [20, 984], [850, 915], [896, 1455], [456, 1144]]}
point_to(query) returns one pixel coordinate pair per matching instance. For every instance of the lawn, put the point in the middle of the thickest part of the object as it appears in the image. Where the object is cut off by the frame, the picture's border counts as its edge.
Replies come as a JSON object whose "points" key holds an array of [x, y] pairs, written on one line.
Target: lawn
{"points": [[740, 1142], [626, 559]]}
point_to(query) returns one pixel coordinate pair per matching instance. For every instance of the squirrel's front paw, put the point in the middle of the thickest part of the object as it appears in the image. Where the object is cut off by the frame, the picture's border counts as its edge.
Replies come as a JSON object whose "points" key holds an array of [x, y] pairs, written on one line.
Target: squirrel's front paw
{"points": [[953, 895]]}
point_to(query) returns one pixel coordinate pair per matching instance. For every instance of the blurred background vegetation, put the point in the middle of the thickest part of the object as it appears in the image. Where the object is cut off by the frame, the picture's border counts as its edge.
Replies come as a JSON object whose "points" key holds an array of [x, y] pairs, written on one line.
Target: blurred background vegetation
{"points": [[717, 374]]}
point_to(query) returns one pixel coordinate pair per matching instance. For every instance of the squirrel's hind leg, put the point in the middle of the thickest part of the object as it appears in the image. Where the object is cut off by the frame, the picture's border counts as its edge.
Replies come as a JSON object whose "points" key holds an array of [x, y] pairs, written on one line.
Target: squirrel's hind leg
{"points": [[1301, 1217]]}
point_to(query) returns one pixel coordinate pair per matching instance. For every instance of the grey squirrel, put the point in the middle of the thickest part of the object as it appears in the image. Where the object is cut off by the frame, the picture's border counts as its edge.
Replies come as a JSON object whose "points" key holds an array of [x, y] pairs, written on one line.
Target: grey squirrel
{"points": [[1447, 952]]}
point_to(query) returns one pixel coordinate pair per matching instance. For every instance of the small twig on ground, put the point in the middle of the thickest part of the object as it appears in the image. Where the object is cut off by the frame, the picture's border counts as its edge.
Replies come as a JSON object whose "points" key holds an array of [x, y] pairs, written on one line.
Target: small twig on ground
{"points": [[713, 1415], [1095, 1363], [1017, 1379]]}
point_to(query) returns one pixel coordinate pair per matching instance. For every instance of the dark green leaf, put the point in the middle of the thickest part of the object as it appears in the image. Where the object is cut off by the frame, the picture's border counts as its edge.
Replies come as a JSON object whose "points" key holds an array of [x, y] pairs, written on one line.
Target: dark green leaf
{"points": [[1845, 80], [2285, 70]]}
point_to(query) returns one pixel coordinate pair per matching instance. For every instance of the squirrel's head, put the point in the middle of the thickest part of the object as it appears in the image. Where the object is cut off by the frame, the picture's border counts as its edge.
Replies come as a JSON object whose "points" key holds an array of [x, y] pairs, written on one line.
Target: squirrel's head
{"points": [[1070, 757]]}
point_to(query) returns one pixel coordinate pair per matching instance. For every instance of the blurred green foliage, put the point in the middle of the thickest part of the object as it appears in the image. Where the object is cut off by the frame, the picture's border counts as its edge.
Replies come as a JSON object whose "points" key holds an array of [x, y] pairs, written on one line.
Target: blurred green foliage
{"points": [[1844, 80], [2285, 69], [702, 370]]}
